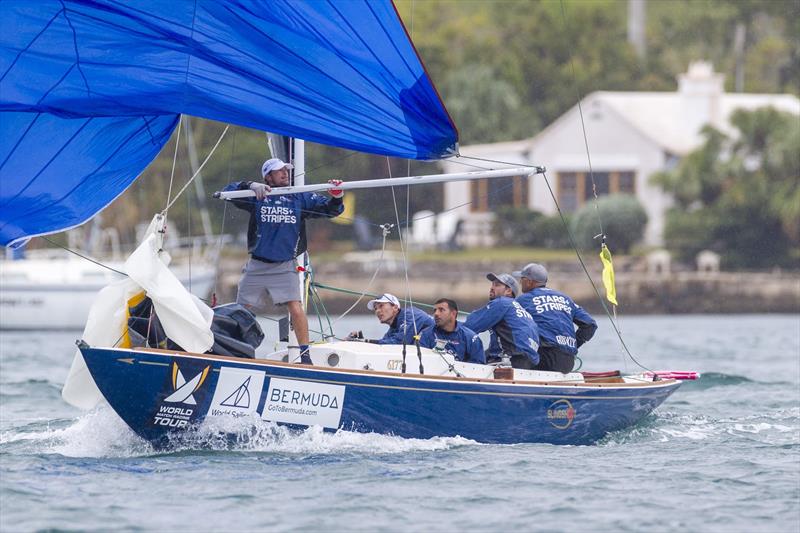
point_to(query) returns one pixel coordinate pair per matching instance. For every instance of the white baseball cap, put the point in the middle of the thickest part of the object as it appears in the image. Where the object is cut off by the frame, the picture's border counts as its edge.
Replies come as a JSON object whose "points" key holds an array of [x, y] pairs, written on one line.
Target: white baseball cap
{"points": [[273, 164], [384, 299]]}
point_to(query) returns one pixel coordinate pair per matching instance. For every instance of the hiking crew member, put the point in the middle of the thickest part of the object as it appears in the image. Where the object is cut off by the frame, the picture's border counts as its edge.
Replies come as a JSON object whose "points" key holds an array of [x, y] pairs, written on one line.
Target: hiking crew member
{"points": [[555, 313], [403, 323], [513, 331], [451, 336], [276, 235]]}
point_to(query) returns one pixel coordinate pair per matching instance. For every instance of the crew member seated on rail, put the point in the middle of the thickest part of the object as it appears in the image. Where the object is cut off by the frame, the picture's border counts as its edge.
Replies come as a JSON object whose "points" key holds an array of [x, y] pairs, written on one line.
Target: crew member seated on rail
{"points": [[403, 323], [513, 331], [451, 336], [555, 313]]}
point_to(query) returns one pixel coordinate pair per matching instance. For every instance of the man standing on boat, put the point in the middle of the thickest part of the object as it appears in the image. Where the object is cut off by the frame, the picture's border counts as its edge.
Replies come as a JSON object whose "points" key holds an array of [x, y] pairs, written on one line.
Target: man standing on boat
{"points": [[451, 336], [276, 235], [403, 323], [554, 313], [513, 331]]}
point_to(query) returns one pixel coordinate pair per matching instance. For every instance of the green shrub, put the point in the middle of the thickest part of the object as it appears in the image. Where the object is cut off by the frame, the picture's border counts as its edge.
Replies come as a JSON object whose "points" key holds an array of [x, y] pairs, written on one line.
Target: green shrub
{"points": [[519, 226], [623, 219], [687, 234], [514, 226], [550, 232]]}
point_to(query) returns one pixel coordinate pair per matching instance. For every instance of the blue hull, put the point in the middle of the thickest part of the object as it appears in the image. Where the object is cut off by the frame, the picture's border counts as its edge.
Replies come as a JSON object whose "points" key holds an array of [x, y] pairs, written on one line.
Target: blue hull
{"points": [[158, 392]]}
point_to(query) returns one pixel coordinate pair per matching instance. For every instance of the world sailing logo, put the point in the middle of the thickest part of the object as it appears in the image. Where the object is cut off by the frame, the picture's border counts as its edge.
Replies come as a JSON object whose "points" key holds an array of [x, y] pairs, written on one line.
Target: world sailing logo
{"points": [[237, 392], [560, 414], [240, 397], [184, 389]]}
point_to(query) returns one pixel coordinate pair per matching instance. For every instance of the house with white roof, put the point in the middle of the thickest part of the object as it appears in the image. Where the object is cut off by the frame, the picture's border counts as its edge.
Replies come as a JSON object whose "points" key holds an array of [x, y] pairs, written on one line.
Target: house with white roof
{"points": [[630, 136]]}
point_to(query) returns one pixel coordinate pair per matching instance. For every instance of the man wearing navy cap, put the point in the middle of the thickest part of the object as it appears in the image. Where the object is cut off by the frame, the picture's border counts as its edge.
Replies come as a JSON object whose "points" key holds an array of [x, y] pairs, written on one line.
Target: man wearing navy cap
{"points": [[554, 313], [276, 235], [513, 331]]}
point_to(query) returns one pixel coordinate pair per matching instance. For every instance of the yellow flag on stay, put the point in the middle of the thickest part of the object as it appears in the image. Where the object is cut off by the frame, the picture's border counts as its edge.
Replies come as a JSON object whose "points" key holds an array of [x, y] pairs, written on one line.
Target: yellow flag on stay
{"points": [[608, 275], [346, 218]]}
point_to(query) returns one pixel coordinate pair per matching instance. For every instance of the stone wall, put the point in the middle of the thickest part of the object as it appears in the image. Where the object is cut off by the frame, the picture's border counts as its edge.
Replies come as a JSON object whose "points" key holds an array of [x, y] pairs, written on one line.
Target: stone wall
{"points": [[637, 291]]}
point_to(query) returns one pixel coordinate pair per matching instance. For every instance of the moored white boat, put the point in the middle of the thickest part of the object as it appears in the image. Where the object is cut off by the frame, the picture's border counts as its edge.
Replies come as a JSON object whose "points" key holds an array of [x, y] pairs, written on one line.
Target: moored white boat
{"points": [[56, 293]]}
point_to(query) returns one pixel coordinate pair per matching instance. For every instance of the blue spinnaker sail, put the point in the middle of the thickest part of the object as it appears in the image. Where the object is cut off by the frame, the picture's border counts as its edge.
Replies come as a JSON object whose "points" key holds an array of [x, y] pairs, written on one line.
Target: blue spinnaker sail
{"points": [[90, 90]]}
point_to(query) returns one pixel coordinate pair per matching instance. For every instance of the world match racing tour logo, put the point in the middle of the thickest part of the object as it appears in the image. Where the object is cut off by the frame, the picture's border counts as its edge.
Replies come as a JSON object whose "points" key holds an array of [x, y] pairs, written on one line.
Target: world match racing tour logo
{"points": [[183, 392], [560, 414]]}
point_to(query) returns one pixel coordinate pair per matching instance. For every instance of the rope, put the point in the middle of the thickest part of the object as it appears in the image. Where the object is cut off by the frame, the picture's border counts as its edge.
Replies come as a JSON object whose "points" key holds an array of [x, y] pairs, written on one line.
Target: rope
{"points": [[589, 276], [199, 169], [219, 245], [98, 263], [386, 230], [583, 129], [373, 295], [174, 160], [402, 247], [602, 233], [611, 317]]}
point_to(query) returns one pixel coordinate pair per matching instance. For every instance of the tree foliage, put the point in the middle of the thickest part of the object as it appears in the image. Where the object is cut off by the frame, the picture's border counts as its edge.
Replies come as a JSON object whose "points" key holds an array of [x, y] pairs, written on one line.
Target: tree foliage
{"points": [[548, 54], [621, 216], [505, 70], [520, 226], [739, 195]]}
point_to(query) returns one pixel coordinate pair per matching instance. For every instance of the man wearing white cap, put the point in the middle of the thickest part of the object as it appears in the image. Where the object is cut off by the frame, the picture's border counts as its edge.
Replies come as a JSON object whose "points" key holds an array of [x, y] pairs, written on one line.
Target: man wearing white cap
{"points": [[513, 331], [276, 235], [403, 323], [554, 313]]}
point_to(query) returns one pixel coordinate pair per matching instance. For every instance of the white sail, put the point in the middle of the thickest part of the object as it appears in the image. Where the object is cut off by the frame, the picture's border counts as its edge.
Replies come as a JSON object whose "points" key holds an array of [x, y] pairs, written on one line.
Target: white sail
{"points": [[185, 318]]}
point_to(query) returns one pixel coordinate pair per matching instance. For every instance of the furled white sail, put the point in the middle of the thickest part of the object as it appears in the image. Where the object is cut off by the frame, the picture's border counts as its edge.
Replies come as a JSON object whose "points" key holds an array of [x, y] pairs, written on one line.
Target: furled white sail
{"points": [[185, 318]]}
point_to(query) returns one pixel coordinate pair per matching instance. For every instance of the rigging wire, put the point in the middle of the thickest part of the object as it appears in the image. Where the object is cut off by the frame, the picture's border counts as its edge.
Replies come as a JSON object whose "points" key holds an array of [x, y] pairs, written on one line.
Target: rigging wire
{"points": [[611, 317], [578, 97], [224, 216], [403, 246], [386, 230], [70, 250], [174, 160], [199, 169], [589, 276]]}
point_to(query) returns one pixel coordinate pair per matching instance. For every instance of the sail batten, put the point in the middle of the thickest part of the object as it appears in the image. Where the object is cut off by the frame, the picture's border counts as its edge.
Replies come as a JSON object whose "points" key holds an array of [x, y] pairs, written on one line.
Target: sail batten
{"points": [[336, 73]]}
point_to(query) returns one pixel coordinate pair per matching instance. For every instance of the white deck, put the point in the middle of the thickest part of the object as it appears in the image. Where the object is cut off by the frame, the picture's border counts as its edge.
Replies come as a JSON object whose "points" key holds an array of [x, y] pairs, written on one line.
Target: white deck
{"points": [[388, 358]]}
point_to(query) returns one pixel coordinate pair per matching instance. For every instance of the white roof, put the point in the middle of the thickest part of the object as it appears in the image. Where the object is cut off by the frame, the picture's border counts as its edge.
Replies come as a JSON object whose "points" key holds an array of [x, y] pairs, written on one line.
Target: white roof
{"points": [[658, 115], [671, 120]]}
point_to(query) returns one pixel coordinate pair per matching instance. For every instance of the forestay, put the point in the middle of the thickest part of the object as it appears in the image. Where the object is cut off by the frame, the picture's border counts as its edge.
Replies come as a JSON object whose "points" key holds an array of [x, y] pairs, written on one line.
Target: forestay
{"points": [[91, 90]]}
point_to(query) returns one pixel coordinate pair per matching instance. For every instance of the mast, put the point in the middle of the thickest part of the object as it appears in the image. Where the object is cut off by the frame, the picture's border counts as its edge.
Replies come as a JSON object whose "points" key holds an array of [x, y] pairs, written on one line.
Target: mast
{"points": [[292, 151]]}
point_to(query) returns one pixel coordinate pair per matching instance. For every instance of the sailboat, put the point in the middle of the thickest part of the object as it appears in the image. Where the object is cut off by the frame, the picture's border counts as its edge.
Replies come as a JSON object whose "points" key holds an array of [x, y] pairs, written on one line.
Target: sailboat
{"points": [[105, 84]]}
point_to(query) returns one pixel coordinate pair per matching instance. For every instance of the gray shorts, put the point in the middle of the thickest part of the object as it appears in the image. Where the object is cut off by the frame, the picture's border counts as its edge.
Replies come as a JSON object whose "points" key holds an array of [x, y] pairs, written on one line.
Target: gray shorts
{"points": [[259, 279]]}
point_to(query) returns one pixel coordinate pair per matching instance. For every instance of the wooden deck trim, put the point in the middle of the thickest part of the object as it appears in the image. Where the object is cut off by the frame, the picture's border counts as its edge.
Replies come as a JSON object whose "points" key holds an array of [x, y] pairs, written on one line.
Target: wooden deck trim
{"points": [[266, 362]]}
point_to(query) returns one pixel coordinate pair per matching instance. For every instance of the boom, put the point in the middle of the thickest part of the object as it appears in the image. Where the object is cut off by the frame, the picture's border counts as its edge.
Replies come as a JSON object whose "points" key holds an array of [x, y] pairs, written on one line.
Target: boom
{"points": [[391, 182]]}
